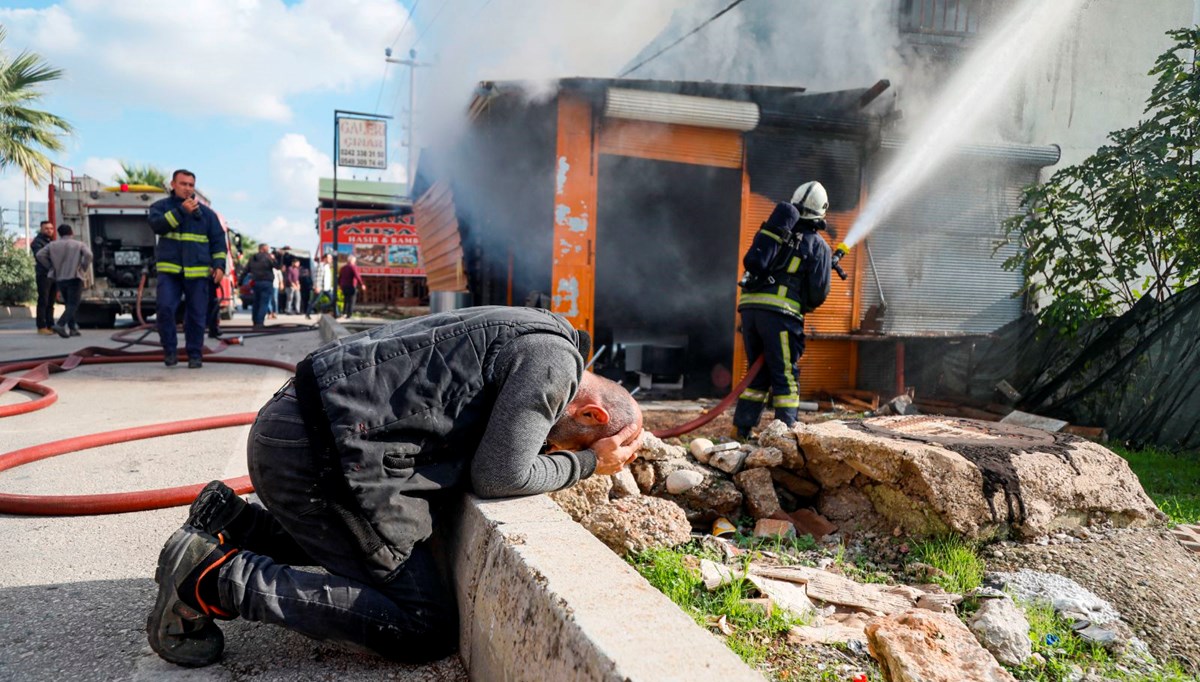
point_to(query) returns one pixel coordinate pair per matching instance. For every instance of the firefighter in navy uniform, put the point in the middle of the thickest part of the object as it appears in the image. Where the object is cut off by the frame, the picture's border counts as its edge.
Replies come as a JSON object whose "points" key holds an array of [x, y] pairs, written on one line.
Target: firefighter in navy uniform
{"points": [[190, 255], [787, 275]]}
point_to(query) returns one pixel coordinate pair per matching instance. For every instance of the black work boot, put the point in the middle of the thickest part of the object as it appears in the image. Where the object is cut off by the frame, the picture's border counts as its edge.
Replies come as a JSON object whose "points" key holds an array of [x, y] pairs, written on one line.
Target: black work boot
{"points": [[215, 508], [180, 627]]}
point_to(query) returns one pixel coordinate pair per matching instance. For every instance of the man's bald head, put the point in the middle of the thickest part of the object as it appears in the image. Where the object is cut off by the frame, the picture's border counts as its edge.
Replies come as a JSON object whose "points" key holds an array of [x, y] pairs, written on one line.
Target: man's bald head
{"points": [[601, 408]]}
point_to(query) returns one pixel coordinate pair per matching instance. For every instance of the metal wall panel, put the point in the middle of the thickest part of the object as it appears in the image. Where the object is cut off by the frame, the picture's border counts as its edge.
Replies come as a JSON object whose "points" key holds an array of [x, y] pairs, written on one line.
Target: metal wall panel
{"points": [[678, 143], [437, 227], [933, 255]]}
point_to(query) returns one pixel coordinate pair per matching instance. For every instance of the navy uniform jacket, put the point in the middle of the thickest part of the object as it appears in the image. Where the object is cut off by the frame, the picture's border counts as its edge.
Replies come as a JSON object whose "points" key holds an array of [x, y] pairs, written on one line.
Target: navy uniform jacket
{"points": [[186, 245]]}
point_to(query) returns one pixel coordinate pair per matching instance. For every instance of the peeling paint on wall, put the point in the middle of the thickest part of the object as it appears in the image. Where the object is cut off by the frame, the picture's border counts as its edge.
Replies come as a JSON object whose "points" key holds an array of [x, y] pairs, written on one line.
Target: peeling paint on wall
{"points": [[561, 176], [566, 297], [563, 218]]}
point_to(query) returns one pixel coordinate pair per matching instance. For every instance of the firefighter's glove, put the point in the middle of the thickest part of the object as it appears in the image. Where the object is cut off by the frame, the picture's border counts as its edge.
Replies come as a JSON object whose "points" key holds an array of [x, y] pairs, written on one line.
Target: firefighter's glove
{"points": [[782, 221]]}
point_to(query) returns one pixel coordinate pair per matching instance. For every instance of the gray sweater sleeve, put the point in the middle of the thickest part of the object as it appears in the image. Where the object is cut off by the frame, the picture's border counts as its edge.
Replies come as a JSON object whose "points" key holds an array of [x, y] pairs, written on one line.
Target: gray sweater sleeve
{"points": [[537, 375]]}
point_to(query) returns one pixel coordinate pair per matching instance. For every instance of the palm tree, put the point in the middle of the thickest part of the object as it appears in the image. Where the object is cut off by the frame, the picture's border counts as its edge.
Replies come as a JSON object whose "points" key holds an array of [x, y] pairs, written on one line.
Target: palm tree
{"points": [[26, 134], [133, 174]]}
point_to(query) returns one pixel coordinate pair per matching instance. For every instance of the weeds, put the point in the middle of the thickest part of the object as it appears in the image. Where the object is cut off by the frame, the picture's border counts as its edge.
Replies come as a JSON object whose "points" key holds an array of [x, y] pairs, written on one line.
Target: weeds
{"points": [[1171, 479], [755, 634], [1065, 656], [957, 559]]}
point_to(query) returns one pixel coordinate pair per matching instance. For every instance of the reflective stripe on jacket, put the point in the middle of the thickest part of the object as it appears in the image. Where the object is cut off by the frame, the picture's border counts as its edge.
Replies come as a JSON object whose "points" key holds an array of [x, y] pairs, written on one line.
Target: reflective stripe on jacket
{"points": [[186, 245]]}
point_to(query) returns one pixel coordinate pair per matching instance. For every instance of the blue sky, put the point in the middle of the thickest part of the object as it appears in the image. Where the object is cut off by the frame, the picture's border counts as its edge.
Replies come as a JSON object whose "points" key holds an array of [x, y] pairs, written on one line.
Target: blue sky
{"points": [[242, 92]]}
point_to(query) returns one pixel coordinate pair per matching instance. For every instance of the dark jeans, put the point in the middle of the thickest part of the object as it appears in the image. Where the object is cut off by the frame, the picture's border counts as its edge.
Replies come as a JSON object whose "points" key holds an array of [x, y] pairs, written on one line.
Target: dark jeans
{"points": [[72, 291], [263, 293], [409, 618], [780, 338], [191, 292], [45, 302], [350, 294], [315, 297]]}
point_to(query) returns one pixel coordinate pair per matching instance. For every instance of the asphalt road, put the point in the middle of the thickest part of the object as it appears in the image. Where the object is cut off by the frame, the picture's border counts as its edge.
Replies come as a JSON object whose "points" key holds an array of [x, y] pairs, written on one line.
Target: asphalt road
{"points": [[75, 591]]}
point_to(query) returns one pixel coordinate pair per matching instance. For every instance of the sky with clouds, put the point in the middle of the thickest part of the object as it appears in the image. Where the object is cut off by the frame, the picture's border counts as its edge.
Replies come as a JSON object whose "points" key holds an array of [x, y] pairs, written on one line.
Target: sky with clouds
{"points": [[242, 92]]}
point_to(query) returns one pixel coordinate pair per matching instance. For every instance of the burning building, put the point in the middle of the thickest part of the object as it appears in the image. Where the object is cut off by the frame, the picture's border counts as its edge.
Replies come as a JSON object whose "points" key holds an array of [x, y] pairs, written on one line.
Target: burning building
{"points": [[626, 205]]}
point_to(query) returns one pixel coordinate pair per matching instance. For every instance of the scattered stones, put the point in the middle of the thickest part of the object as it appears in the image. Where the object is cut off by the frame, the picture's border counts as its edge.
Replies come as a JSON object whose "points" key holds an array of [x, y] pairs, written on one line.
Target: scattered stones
{"points": [[624, 485], [787, 596], [581, 498], [683, 480], [924, 646], [778, 435], [764, 457], [901, 404], [1003, 630], [759, 491], [699, 448], [654, 449], [770, 528], [716, 495], [643, 475], [715, 575], [635, 524], [729, 461]]}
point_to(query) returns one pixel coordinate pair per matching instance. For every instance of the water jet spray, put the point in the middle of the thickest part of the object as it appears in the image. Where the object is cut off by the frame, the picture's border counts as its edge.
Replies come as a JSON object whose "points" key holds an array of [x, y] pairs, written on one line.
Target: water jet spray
{"points": [[971, 95]]}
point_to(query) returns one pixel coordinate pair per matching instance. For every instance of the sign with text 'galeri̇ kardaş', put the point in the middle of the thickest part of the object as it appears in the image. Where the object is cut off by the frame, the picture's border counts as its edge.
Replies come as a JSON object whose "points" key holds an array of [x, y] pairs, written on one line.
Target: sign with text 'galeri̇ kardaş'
{"points": [[362, 143]]}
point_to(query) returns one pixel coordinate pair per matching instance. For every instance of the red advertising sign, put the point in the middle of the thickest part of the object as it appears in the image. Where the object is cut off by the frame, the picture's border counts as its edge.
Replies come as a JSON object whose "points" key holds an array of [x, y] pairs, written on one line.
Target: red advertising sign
{"points": [[387, 246]]}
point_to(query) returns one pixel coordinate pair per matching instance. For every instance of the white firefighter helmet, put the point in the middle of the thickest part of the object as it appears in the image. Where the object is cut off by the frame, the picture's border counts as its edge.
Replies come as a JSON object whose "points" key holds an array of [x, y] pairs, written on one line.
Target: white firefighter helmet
{"points": [[811, 200]]}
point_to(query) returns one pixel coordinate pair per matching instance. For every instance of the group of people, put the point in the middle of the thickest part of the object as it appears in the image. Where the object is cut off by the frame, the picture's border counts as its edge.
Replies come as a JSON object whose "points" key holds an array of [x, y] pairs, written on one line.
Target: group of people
{"points": [[267, 276], [60, 266], [357, 457]]}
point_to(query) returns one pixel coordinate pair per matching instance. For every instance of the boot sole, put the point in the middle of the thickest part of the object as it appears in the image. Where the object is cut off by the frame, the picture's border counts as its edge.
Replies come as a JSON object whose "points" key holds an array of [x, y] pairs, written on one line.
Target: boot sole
{"points": [[176, 632]]}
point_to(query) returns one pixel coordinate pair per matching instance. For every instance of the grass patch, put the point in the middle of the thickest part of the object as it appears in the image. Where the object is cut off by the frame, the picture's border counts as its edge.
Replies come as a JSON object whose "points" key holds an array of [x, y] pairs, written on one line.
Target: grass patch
{"points": [[1171, 479], [1065, 654], [956, 558], [756, 635]]}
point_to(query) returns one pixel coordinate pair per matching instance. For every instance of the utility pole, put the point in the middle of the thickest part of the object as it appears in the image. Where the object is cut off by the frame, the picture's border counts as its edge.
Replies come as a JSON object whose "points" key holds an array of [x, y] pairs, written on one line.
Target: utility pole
{"points": [[412, 65], [28, 244]]}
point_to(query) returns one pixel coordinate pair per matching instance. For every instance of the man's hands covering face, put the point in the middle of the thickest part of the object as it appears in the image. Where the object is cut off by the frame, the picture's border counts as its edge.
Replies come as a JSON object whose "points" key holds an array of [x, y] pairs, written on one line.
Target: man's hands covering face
{"points": [[614, 452]]}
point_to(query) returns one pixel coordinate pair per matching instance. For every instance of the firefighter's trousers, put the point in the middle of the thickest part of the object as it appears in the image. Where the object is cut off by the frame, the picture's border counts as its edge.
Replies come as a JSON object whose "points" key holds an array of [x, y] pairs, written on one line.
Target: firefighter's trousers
{"points": [[779, 338], [193, 294]]}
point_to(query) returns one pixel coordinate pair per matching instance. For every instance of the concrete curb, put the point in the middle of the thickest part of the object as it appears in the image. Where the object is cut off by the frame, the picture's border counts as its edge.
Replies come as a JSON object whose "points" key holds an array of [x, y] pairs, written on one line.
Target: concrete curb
{"points": [[541, 599], [16, 312], [331, 329]]}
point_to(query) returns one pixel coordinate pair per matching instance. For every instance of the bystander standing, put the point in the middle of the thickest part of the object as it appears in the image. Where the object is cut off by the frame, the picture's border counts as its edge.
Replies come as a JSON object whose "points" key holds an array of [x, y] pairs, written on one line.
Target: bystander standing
{"points": [[67, 260]]}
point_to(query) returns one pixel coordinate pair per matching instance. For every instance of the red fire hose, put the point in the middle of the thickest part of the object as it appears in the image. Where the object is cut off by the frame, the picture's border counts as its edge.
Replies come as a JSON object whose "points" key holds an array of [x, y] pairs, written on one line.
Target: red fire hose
{"points": [[718, 409], [112, 503]]}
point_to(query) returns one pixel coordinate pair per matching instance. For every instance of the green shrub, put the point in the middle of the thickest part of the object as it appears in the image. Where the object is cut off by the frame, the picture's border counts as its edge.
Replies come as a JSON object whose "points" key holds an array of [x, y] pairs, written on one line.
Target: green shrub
{"points": [[956, 558], [17, 284]]}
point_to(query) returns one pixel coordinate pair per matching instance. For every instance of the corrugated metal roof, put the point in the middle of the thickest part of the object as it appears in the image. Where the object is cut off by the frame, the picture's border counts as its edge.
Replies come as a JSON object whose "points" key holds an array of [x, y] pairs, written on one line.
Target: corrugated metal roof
{"points": [[662, 107]]}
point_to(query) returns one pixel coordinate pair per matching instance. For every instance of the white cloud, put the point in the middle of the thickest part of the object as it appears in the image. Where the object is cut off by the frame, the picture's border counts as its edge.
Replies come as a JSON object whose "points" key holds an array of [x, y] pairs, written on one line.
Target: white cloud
{"points": [[242, 58], [240, 196], [103, 169], [282, 231], [296, 168]]}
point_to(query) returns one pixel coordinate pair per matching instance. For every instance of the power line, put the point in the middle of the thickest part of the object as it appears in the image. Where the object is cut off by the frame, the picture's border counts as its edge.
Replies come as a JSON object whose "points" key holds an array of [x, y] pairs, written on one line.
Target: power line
{"points": [[445, 4], [687, 35], [382, 81], [407, 19]]}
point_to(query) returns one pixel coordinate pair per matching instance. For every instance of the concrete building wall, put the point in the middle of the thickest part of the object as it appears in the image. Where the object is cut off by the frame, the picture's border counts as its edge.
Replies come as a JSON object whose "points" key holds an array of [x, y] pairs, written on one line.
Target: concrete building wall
{"points": [[1097, 80]]}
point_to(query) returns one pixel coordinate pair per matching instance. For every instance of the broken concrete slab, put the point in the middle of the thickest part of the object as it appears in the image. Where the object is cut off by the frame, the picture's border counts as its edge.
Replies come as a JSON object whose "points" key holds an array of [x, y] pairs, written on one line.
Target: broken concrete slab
{"points": [[834, 589], [795, 484], [764, 457], [624, 485], [788, 596], [1034, 421], [759, 491], [1002, 629], [934, 475], [654, 449], [923, 646], [729, 461], [779, 435]]}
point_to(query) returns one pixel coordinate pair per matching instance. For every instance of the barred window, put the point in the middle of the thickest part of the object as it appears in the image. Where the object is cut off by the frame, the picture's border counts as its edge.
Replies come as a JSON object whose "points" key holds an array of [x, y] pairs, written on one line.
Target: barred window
{"points": [[941, 17]]}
